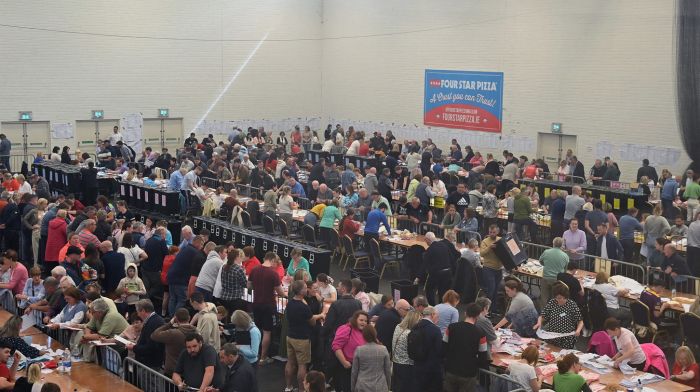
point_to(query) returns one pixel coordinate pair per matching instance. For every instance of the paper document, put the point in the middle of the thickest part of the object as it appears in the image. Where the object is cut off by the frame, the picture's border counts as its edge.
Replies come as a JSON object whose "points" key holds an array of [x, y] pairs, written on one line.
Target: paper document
{"points": [[28, 320], [542, 334], [122, 340], [101, 343], [72, 328]]}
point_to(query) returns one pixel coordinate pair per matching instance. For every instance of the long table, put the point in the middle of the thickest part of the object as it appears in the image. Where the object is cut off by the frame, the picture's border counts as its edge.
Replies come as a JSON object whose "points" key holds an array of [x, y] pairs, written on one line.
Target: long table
{"points": [[222, 232], [610, 379], [84, 377], [60, 176], [161, 200], [620, 199]]}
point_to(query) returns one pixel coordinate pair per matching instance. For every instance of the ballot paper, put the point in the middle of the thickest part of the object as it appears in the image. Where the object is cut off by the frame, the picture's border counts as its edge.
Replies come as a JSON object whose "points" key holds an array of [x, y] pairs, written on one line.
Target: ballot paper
{"points": [[101, 343], [122, 340], [645, 378], [546, 335], [28, 320], [686, 307], [626, 369], [70, 327]]}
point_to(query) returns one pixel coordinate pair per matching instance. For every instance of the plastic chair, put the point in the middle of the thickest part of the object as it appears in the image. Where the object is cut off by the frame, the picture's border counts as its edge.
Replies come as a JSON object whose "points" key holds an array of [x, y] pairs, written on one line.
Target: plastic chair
{"points": [[376, 257], [247, 222]]}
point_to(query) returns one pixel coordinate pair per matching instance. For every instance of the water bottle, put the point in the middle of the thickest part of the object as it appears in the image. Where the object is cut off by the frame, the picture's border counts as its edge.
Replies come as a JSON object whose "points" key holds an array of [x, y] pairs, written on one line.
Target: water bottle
{"points": [[67, 364], [640, 388], [673, 293]]}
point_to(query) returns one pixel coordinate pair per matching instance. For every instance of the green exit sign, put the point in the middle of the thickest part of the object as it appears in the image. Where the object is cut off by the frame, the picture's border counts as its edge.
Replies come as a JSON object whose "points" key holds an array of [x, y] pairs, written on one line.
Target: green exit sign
{"points": [[556, 127], [25, 116], [163, 113], [98, 114]]}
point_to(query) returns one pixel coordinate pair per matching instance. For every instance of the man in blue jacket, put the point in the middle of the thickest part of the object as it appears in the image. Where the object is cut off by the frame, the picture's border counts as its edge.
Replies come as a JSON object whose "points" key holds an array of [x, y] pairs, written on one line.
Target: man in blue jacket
{"points": [[375, 219], [179, 272]]}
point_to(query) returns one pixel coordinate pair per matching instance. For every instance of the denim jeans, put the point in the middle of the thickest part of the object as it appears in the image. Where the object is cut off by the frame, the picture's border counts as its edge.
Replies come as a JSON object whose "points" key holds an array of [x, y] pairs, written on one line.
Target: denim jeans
{"points": [[492, 280], [178, 297]]}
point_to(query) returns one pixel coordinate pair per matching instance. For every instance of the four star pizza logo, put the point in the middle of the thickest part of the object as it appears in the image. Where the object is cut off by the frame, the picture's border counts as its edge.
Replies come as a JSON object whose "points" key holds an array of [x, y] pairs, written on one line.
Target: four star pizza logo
{"points": [[435, 83]]}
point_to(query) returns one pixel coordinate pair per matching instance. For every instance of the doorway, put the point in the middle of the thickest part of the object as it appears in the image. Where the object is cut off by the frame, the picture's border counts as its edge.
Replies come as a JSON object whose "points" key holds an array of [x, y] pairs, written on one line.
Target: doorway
{"points": [[552, 147], [89, 132]]}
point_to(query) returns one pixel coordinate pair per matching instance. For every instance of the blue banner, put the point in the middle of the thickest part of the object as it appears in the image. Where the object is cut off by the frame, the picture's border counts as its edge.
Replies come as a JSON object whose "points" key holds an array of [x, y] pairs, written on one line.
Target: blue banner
{"points": [[464, 100]]}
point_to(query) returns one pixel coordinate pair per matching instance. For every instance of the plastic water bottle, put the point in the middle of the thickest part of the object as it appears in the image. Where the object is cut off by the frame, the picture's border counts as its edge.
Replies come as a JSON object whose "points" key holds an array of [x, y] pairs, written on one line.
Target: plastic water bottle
{"points": [[673, 293], [67, 363], [640, 388]]}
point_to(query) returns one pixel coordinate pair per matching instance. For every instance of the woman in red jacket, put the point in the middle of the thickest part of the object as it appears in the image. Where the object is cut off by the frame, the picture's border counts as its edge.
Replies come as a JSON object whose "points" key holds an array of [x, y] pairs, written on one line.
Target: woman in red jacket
{"points": [[348, 226], [167, 262], [55, 240]]}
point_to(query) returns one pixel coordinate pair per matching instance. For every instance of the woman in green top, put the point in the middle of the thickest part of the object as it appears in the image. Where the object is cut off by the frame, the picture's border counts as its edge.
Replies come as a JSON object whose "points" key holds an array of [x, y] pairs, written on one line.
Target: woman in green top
{"points": [[567, 378], [330, 214], [298, 262], [692, 193]]}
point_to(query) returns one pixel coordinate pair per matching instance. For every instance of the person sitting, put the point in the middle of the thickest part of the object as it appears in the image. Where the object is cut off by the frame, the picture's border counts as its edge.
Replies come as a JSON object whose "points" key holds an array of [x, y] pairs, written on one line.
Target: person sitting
{"points": [[628, 348], [679, 229], [521, 314], [7, 375], [524, 372], [567, 379], [611, 294], [674, 264], [32, 382], [9, 335], [469, 222], [33, 289], [561, 315], [685, 370], [451, 218]]}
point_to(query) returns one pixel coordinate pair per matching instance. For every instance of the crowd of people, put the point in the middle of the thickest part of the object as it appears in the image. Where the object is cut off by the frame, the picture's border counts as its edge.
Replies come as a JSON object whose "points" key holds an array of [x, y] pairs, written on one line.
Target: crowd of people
{"points": [[87, 263]]}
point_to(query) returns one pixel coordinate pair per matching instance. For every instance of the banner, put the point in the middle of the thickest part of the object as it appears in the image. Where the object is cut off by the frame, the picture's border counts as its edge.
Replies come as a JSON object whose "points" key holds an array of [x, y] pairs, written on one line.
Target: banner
{"points": [[464, 100]]}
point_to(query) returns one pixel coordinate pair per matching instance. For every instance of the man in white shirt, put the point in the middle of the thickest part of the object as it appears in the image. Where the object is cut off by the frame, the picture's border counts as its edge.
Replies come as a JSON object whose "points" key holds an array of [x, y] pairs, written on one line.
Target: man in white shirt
{"points": [[116, 136]]}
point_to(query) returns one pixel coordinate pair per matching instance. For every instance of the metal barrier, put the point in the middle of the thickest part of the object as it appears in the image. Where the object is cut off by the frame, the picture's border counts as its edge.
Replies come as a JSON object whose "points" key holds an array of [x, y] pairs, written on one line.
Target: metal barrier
{"points": [[143, 377], [15, 161], [247, 190], [684, 284], [63, 336], [596, 264], [110, 359], [210, 182], [304, 203], [490, 381], [464, 236]]}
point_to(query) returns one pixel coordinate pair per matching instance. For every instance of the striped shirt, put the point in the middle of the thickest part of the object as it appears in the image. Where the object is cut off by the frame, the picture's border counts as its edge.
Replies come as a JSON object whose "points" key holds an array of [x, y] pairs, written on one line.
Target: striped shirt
{"points": [[86, 237]]}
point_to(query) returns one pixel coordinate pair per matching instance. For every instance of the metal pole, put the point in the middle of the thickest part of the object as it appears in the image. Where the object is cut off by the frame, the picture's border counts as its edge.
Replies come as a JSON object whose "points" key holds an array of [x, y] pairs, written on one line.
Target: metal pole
{"points": [[162, 134], [24, 139], [97, 133]]}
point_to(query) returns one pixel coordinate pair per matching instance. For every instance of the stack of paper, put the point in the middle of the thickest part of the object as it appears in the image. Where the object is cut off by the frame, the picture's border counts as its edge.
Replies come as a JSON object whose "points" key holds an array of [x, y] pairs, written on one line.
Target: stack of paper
{"points": [[645, 378]]}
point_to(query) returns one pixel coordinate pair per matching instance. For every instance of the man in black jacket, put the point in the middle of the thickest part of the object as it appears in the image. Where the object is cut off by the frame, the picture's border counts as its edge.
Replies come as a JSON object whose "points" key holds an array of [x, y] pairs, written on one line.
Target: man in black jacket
{"points": [[428, 369], [341, 310], [578, 171], [147, 351], [388, 320], [439, 261], [238, 373], [156, 249], [607, 245], [647, 171]]}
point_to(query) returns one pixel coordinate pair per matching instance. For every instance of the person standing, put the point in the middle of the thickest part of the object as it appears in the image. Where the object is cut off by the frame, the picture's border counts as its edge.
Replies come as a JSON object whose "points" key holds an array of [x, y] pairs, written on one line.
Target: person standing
{"points": [[371, 366], [628, 348], [439, 260], [239, 375], [148, 351], [347, 339], [608, 246], [172, 336], [693, 249], [179, 272], [465, 352], [692, 194], [265, 282], [554, 260], [493, 266], [574, 202], [300, 320], [628, 226], [427, 356], [5, 147]]}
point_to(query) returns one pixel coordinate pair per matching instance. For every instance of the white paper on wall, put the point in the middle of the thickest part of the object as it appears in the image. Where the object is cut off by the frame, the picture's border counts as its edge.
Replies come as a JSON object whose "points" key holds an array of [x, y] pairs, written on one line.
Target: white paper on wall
{"points": [[132, 126], [62, 130]]}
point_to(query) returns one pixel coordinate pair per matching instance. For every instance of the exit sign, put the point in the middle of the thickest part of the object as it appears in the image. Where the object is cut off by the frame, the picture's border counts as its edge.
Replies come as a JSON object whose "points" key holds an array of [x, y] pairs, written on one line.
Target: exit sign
{"points": [[25, 116], [163, 113], [556, 127], [98, 114]]}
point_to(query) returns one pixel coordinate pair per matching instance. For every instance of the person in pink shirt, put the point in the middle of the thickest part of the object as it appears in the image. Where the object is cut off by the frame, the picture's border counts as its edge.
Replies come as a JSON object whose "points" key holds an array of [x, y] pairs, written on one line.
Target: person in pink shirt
{"points": [[18, 272], [347, 339]]}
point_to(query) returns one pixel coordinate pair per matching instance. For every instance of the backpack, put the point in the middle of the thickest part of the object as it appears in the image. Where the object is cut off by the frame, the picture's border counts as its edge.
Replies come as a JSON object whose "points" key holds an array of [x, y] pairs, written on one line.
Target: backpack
{"points": [[415, 345]]}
